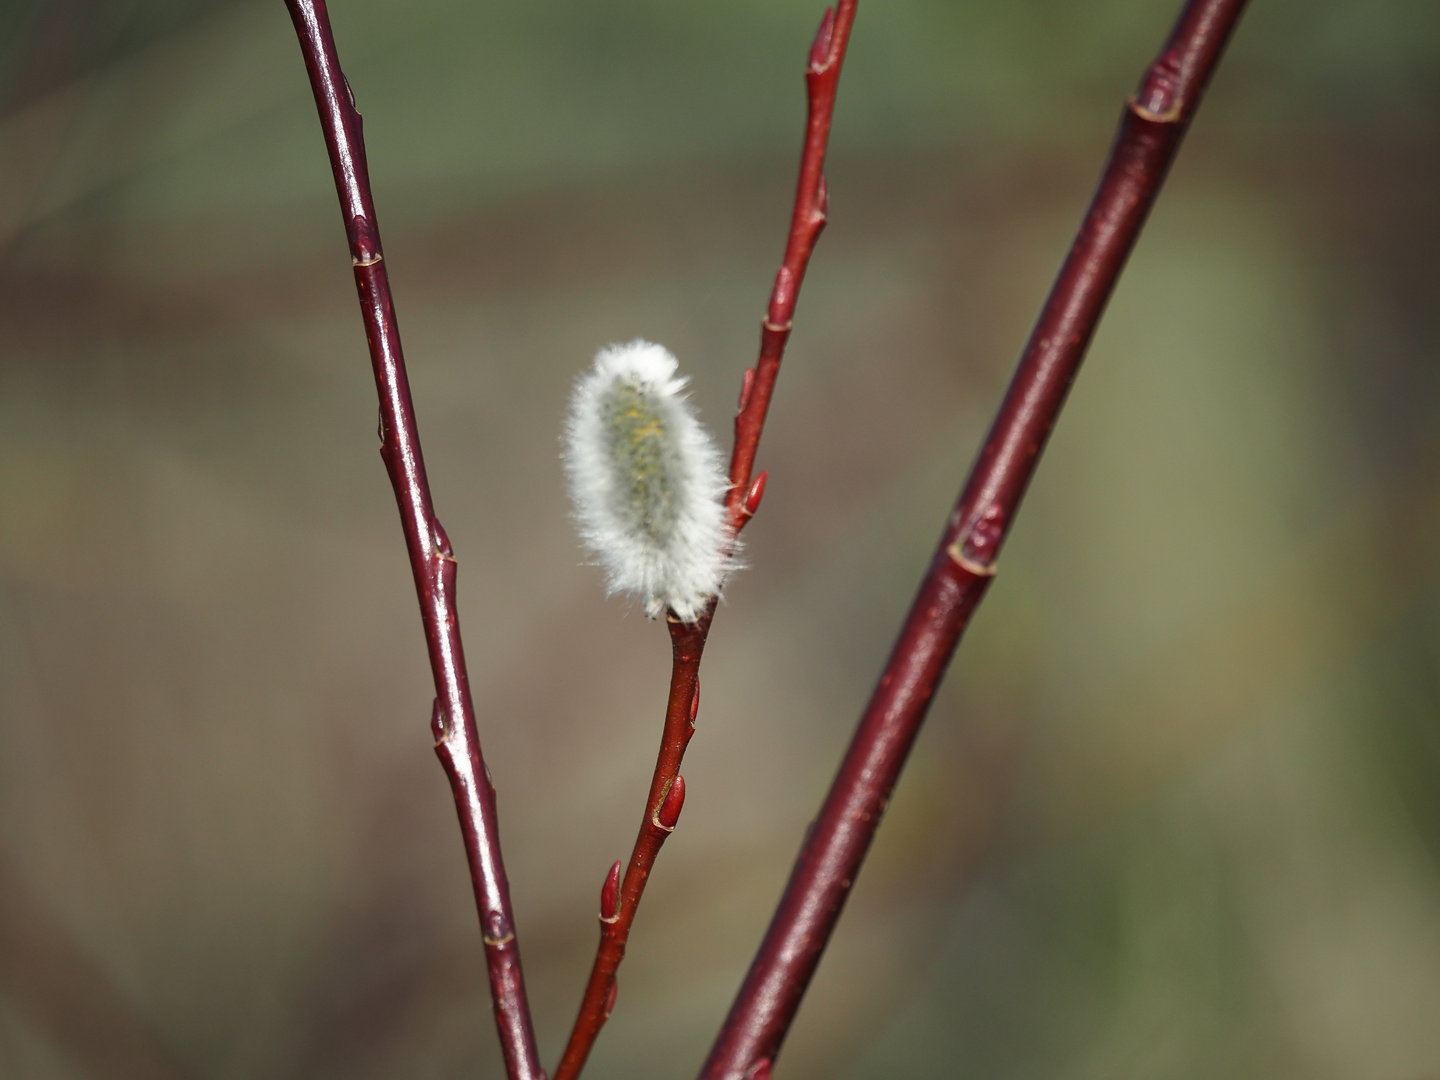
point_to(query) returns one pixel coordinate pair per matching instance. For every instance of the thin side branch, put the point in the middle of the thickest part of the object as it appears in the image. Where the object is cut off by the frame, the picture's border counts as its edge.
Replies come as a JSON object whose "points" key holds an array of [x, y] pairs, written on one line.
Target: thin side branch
{"points": [[822, 77], [964, 561], [620, 897], [432, 561]]}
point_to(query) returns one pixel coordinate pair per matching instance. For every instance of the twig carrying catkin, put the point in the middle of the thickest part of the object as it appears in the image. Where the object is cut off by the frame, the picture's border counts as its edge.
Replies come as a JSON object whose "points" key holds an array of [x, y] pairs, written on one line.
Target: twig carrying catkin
{"points": [[688, 622]]}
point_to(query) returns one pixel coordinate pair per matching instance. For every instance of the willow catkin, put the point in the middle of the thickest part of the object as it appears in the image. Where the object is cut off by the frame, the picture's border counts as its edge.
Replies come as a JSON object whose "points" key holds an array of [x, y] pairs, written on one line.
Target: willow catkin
{"points": [[647, 482]]}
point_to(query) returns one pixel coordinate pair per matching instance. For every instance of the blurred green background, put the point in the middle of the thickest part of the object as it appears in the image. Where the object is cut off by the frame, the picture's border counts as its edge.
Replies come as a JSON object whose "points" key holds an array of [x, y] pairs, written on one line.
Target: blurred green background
{"points": [[1177, 810]]}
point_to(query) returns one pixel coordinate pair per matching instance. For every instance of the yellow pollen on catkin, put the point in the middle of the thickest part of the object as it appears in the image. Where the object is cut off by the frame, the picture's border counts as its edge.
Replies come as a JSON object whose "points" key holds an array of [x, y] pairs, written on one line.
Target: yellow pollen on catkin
{"points": [[642, 461]]}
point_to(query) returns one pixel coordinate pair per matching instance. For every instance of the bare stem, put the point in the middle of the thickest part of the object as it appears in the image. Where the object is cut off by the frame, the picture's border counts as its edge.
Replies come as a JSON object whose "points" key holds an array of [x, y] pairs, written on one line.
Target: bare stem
{"points": [[620, 898], [964, 561], [822, 77], [457, 742]]}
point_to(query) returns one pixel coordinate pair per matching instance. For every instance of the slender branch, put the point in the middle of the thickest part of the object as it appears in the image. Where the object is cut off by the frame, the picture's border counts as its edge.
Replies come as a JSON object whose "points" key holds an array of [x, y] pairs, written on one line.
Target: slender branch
{"points": [[620, 898], [822, 77], [457, 742], [964, 561]]}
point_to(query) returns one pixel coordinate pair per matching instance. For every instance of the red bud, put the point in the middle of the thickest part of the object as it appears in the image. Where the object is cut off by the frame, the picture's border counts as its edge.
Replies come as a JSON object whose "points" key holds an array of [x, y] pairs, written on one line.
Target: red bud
{"points": [[439, 539], [782, 299], [610, 997], [695, 703], [668, 812], [820, 48], [610, 895], [747, 383], [756, 493]]}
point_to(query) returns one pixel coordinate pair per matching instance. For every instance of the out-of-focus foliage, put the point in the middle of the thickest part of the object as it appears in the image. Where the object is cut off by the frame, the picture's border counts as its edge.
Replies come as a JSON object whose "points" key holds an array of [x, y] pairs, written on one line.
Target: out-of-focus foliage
{"points": [[1177, 812]]}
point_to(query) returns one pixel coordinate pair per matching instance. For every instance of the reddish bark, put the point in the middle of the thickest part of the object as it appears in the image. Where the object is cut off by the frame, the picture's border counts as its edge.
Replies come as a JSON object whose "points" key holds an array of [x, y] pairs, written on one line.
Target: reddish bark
{"points": [[822, 76], [964, 561], [457, 742]]}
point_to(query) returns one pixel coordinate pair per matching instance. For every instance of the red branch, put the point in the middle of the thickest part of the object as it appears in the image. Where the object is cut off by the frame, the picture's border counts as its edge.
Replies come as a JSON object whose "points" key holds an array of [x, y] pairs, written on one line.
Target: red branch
{"points": [[965, 559], [827, 54], [457, 742], [619, 898]]}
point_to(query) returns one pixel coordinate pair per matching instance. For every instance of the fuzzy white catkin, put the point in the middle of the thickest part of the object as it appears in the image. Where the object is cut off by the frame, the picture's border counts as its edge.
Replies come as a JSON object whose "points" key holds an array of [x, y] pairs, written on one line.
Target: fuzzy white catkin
{"points": [[647, 481]]}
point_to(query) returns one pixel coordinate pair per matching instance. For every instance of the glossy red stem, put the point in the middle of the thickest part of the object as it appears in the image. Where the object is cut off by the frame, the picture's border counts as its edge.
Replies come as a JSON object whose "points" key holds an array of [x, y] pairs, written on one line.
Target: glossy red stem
{"points": [[822, 76], [964, 561], [822, 79], [662, 811], [453, 720]]}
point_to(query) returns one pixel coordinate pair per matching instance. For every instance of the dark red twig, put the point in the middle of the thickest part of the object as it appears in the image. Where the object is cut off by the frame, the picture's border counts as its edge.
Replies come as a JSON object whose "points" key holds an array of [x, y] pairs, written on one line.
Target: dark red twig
{"points": [[822, 77], [965, 559], [457, 742], [620, 898]]}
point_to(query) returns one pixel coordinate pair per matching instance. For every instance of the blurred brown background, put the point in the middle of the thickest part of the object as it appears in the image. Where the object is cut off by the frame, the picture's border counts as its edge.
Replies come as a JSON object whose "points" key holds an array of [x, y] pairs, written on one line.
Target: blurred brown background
{"points": [[1177, 811]]}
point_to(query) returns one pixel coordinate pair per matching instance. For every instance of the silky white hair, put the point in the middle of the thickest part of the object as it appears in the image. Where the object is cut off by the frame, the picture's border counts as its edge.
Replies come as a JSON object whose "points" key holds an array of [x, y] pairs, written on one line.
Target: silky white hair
{"points": [[647, 481]]}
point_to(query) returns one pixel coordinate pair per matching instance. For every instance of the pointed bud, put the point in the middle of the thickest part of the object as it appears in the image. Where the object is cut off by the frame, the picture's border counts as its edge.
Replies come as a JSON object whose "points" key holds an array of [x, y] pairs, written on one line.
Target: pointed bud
{"points": [[668, 812], [440, 540], [747, 383], [820, 47], [610, 895], [610, 997], [756, 493], [497, 929], [695, 703], [782, 299]]}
